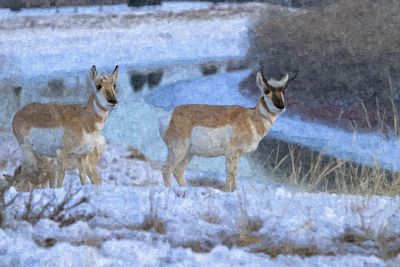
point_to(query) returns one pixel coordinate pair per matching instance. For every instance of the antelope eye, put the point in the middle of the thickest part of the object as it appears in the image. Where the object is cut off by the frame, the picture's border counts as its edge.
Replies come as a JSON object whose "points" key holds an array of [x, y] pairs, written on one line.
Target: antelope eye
{"points": [[266, 91], [98, 86]]}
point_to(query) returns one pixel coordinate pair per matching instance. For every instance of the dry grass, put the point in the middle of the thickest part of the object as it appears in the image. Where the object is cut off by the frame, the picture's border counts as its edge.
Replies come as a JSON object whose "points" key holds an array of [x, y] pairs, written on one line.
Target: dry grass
{"points": [[55, 210], [313, 171]]}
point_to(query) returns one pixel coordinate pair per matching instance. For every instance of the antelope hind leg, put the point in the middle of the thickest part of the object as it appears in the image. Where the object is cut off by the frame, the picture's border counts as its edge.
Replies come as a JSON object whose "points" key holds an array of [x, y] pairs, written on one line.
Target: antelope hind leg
{"points": [[180, 170], [175, 156]]}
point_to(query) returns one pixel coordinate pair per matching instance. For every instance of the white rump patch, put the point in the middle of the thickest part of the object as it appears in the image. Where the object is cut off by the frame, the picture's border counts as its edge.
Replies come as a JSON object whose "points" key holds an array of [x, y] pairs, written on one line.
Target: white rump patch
{"points": [[46, 141], [210, 142]]}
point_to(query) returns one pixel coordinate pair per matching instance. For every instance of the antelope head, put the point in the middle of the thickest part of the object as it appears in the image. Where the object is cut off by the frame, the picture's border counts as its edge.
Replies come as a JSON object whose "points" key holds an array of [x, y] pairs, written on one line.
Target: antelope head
{"points": [[105, 88], [273, 91]]}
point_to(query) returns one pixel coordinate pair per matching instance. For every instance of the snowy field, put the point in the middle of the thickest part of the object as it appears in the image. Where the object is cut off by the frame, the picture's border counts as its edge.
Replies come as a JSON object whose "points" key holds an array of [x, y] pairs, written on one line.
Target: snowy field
{"points": [[176, 7], [133, 220]]}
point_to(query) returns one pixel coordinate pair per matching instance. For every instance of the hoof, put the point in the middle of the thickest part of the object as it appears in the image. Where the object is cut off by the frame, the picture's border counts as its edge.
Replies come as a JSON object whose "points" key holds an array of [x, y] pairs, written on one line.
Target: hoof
{"points": [[182, 183]]}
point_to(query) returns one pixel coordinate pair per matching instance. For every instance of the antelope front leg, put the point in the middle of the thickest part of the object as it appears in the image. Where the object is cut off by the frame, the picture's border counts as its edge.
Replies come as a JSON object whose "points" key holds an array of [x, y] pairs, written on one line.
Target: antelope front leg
{"points": [[166, 173], [91, 166], [60, 174], [94, 176], [231, 172]]}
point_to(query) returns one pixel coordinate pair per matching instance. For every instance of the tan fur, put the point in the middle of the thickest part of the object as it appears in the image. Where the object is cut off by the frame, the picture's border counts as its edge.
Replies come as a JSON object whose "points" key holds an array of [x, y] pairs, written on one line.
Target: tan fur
{"points": [[82, 141], [193, 130], [25, 179]]}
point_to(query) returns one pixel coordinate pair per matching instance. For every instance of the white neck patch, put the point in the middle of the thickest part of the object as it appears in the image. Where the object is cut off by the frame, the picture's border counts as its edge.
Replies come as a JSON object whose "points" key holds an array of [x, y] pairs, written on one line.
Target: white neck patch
{"points": [[101, 100], [271, 106], [100, 104]]}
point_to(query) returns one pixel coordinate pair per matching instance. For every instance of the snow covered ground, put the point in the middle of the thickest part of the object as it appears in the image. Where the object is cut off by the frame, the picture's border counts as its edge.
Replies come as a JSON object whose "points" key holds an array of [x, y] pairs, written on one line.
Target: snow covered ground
{"points": [[58, 43], [121, 9], [133, 220]]}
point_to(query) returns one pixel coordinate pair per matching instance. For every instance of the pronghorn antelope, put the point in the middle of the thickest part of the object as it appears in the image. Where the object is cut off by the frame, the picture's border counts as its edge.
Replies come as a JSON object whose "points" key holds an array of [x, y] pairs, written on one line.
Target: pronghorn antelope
{"points": [[230, 131], [26, 179], [71, 133]]}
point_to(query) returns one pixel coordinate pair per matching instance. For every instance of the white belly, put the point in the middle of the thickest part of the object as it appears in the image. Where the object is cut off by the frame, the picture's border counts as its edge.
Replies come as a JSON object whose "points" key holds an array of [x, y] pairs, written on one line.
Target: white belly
{"points": [[90, 142], [46, 141], [210, 142]]}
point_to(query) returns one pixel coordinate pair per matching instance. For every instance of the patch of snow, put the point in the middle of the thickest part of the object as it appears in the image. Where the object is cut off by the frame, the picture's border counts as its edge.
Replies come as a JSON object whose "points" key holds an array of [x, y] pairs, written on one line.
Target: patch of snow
{"points": [[145, 42], [139, 253], [365, 148], [120, 9], [218, 89]]}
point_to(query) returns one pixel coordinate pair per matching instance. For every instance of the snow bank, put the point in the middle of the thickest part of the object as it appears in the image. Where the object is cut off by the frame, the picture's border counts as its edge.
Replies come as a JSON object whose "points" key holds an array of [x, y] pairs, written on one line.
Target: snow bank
{"points": [[133, 219], [147, 41], [246, 227], [97, 10]]}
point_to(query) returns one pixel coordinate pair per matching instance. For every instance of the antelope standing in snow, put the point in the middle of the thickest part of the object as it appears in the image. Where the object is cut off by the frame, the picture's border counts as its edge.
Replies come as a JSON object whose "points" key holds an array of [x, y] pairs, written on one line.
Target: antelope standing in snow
{"points": [[71, 133], [230, 131]]}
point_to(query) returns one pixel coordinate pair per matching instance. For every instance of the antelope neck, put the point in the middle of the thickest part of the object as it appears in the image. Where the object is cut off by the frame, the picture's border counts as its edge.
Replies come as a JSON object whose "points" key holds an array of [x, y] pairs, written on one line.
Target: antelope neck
{"points": [[95, 106], [263, 109]]}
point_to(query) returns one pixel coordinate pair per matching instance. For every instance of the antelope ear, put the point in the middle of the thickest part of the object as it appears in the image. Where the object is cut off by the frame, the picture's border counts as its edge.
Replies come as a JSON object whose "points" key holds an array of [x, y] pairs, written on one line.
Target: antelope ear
{"points": [[260, 83], [8, 178], [115, 73], [93, 73], [285, 79]]}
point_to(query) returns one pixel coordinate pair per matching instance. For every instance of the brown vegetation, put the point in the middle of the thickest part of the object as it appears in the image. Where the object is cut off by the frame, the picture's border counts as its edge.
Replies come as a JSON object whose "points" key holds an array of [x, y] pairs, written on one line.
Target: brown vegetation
{"points": [[313, 171], [346, 54]]}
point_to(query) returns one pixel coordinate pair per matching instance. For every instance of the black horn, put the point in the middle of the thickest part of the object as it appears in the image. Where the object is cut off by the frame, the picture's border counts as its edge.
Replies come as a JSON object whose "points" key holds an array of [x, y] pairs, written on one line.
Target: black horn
{"points": [[296, 72], [263, 76]]}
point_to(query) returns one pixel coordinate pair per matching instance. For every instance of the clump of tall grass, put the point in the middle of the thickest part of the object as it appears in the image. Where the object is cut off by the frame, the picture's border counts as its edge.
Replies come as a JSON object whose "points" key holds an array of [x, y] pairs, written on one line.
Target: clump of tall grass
{"points": [[314, 171]]}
